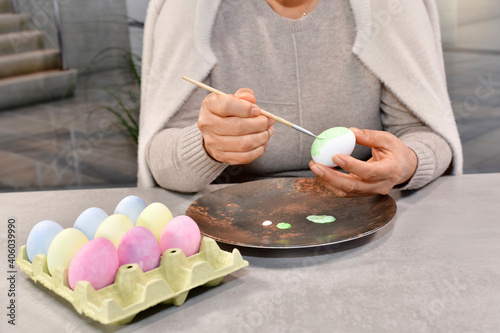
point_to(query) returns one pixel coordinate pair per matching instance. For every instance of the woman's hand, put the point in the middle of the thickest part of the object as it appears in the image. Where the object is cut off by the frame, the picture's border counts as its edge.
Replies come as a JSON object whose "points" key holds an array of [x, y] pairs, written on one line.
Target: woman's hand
{"points": [[234, 131], [392, 163]]}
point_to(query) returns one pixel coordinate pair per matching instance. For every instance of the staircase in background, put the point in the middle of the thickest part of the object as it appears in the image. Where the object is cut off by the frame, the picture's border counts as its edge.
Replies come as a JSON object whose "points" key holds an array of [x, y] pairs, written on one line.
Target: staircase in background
{"points": [[29, 73]]}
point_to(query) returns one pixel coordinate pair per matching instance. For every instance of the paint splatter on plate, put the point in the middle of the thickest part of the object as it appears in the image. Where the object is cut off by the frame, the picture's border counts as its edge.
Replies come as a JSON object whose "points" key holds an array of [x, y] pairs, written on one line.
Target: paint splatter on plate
{"points": [[283, 225], [321, 218]]}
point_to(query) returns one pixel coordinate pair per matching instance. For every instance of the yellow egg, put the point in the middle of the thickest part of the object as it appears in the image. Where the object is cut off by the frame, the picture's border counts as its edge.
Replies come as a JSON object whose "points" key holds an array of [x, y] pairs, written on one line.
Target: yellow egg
{"points": [[113, 228], [155, 217], [63, 248]]}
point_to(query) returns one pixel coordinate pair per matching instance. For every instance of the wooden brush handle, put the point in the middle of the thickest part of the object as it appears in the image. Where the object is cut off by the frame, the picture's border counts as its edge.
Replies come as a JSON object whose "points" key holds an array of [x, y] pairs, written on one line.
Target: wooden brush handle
{"points": [[218, 92]]}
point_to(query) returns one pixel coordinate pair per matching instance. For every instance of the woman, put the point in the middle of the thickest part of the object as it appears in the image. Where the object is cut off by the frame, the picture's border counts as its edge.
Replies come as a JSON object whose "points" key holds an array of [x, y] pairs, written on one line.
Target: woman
{"points": [[375, 65]]}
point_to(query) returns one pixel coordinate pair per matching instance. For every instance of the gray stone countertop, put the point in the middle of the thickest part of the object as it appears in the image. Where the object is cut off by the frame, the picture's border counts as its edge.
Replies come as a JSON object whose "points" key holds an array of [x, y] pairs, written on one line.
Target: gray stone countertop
{"points": [[434, 268]]}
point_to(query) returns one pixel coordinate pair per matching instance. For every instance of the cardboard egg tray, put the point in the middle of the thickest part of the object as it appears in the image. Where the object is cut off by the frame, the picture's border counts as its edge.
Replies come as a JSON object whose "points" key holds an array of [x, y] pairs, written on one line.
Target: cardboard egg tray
{"points": [[133, 290]]}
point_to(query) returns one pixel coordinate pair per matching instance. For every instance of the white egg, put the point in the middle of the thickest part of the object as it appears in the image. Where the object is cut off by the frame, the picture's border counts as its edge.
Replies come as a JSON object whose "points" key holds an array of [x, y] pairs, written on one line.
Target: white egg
{"points": [[336, 140]]}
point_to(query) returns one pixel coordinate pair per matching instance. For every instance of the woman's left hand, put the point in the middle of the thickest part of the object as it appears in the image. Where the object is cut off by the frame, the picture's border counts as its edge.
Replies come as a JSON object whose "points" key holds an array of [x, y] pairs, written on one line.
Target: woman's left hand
{"points": [[392, 163]]}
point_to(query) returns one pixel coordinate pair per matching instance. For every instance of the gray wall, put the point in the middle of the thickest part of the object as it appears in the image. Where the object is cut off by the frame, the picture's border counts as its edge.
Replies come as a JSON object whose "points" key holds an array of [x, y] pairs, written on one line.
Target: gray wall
{"points": [[469, 23], [89, 27], [454, 13], [448, 20], [471, 11], [137, 10]]}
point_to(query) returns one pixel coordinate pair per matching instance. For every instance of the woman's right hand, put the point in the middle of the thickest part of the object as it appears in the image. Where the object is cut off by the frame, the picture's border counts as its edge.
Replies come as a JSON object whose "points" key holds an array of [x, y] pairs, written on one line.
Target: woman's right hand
{"points": [[234, 131]]}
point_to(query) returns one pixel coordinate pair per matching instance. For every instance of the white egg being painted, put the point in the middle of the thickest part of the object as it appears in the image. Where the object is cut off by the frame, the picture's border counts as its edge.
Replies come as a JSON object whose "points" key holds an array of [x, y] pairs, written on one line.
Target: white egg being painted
{"points": [[336, 140]]}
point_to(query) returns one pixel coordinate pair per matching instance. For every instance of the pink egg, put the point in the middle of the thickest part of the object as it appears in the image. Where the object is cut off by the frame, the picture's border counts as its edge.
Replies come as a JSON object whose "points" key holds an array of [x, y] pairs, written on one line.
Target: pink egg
{"points": [[95, 262], [183, 233], [139, 246]]}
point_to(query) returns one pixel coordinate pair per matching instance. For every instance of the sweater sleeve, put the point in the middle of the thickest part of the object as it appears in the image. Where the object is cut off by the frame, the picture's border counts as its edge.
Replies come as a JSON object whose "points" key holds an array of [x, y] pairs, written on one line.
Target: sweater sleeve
{"points": [[433, 152], [176, 156], [178, 160]]}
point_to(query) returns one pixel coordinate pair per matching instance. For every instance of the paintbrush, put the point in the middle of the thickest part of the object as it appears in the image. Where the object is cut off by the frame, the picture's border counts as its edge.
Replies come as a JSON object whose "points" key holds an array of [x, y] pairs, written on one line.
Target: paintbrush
{"points": [[264, 112]]}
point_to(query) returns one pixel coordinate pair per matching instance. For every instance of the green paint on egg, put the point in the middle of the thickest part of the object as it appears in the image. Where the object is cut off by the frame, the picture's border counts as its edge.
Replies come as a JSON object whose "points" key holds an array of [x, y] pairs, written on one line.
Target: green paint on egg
{"points": [[283, 225], [321, 218], [326, 136]]}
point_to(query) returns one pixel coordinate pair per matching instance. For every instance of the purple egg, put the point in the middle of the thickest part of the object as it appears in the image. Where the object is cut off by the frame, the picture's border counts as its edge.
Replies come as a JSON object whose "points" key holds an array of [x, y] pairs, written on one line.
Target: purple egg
{"points": [[183, 233], [96, 262], [139, 246]]}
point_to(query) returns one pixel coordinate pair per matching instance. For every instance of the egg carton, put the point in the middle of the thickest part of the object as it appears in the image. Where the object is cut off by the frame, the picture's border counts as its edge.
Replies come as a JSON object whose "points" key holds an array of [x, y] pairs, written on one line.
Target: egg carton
{"points": [[133, 290]]}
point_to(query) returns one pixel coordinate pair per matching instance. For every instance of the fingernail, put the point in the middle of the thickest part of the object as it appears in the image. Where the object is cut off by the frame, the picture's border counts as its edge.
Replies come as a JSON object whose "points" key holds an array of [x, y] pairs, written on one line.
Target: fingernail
{"points": [[339, 160], [270, 122], [271, 131], [317, 171], [254, 112], [356, 130], [242, 95]]}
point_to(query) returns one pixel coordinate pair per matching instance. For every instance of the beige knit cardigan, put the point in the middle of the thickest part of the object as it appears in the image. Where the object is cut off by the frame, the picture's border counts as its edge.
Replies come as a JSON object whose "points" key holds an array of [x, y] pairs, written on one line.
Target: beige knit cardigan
{"points": [[398, 40]]}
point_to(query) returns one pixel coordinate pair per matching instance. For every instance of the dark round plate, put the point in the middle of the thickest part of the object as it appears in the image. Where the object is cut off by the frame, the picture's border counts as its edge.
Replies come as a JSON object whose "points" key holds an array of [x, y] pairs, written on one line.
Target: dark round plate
{"points": [[234, 214]]}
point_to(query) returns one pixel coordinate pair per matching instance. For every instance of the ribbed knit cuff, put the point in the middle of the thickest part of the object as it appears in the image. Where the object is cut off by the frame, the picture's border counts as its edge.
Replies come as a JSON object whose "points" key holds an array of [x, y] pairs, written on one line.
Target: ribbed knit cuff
{"points": [[195, 155], [426, 166]]}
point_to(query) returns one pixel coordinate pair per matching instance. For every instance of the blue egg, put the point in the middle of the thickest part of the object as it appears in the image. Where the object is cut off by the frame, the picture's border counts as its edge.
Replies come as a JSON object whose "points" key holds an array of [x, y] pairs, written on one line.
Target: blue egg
{"points": [[40, 238], [89, 220], [131, 206]]}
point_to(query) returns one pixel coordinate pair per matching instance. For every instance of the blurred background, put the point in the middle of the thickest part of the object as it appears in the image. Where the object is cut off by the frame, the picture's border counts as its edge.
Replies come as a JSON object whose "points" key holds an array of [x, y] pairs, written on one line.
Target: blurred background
{"points": [[70, 83]]}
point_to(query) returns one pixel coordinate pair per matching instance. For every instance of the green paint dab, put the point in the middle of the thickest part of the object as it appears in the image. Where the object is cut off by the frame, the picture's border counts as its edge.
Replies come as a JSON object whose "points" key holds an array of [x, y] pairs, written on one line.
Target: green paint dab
{"points": [[321, 218], [326, 136], [284, 225]]}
